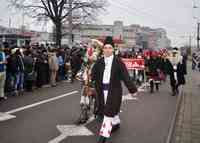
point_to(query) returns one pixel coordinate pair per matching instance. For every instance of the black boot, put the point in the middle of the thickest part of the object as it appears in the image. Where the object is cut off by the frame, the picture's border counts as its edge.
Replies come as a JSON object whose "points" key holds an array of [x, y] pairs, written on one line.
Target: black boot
{"points": [[173, 92], [115, 128], [157, 86], [151, 86]]}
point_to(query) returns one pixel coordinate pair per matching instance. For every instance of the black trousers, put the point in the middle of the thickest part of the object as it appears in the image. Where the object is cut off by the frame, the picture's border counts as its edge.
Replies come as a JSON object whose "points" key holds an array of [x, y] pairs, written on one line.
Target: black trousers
{"points": [[174, 83]]}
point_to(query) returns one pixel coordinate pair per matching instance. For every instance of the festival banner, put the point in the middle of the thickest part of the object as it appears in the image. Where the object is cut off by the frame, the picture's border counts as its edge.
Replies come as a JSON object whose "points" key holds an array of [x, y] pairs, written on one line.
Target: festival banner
{"points": [[131, 64]]}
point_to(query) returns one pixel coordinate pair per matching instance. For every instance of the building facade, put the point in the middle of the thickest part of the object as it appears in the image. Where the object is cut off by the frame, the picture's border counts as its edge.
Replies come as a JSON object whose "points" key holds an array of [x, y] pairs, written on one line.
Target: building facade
{"points": [[20, 37], [132, 35]]}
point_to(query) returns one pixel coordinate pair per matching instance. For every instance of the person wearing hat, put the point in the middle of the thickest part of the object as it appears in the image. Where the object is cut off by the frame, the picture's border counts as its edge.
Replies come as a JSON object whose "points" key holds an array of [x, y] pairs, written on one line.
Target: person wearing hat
{"points": [[176, 70], [153, 67], [107, 74]]}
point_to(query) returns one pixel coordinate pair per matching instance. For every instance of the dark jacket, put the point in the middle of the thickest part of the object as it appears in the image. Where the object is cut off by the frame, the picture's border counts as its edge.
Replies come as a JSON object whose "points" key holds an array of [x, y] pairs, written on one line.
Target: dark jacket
{"points": [[118, 73], [152, 64], [181, 71], [15, 64], [29, 68]]}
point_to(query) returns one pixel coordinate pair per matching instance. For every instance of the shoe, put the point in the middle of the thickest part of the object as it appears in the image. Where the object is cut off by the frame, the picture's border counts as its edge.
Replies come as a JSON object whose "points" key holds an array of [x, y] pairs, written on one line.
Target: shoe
{"points": [[81, 121], [3, 98], [15, 93], [173, 93], [53, 85], [115, 128], [102, 139], [21, 92]]}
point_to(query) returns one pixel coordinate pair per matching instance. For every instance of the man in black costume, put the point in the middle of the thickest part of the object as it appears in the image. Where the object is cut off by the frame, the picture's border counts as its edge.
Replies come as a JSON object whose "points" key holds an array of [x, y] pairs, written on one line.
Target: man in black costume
{"points": [[107, 73]]}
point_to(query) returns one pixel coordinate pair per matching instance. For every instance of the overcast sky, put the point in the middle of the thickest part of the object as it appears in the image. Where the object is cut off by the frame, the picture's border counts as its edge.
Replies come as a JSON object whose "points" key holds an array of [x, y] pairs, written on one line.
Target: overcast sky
{"points": [[176, 16]]}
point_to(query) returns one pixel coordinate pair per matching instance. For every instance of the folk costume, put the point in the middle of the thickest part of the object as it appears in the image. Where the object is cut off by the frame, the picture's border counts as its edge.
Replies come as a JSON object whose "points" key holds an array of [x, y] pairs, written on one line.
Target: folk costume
{"points": [[176, 70], [93, 52], [107, 73]]}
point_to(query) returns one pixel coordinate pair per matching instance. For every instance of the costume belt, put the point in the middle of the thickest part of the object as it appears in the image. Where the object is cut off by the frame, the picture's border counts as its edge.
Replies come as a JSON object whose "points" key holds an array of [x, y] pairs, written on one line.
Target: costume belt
{"points": [[105, 86]]}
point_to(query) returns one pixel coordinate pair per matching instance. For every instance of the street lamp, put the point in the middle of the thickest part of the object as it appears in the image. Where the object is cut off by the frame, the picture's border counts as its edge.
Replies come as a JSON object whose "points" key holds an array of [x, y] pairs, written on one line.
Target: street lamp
{"points": [[198, 26]]}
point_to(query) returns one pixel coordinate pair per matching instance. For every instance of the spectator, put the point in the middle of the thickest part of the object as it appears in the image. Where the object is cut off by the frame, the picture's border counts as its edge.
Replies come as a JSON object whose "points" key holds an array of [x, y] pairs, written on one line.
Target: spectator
{"points": [[29, 70], [53, 66], [2, 73]]}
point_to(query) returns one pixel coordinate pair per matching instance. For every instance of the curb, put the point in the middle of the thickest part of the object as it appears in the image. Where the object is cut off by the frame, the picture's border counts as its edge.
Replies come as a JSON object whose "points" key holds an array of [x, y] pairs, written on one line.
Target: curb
{"points": [[175, 117]]}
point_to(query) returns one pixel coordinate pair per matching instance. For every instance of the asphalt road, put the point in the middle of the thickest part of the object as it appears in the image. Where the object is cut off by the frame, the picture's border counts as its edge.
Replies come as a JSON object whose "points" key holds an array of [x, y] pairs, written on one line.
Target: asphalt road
{"points": [[145, 119]]}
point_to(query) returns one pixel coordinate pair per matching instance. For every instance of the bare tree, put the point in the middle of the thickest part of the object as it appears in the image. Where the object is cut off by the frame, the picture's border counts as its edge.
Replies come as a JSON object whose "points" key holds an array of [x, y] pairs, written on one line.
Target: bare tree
{"points": [[60, 11]]}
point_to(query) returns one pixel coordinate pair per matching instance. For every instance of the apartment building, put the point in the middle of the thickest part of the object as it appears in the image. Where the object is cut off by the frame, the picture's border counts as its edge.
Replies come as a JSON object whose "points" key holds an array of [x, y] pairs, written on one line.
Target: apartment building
{"points": [[130, 36]]}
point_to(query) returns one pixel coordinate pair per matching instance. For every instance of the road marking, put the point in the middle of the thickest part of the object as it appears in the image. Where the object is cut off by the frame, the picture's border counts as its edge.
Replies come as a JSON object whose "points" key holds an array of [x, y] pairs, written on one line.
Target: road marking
{"points": [[72, 130], [41, 102], [4, 117]]}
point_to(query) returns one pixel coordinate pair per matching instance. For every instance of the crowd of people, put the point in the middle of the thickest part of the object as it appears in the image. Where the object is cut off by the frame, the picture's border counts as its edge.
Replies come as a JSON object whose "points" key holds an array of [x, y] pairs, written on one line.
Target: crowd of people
{"points": [[159, 65], [22, 68]]}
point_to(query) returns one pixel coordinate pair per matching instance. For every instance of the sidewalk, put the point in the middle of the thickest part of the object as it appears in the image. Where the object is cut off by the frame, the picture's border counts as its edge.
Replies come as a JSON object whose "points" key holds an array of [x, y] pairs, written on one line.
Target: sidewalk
{"points": [[187, 128]]}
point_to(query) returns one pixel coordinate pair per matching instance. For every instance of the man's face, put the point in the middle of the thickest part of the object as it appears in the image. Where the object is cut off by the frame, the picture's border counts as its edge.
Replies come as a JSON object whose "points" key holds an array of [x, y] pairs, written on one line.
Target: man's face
{"points": [[174, 54], [107, 50]]}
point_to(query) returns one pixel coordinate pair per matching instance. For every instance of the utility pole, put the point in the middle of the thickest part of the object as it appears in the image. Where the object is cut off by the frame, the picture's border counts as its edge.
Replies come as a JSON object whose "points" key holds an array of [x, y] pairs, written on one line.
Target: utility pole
{"points": [[9, 22], [189, 49], [70, 24], [198, 26]]}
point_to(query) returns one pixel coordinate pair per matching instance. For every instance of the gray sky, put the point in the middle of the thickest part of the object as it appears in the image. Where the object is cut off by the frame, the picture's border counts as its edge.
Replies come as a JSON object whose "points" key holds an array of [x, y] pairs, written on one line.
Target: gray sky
{"points": [[176, 16]]}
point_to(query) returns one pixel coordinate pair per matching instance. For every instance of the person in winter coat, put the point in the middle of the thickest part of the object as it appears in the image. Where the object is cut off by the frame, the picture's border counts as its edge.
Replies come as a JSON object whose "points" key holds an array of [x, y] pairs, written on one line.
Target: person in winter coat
{"points": [[176, 70], [53, 66], [153, 66], [17, 68], [29, 71], [2, 73], [75, 60], [107, 74]]}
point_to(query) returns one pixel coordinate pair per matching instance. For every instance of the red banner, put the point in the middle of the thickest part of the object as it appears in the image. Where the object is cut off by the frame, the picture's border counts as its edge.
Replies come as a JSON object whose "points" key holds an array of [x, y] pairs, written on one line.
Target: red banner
{"points": [[134, 64]]}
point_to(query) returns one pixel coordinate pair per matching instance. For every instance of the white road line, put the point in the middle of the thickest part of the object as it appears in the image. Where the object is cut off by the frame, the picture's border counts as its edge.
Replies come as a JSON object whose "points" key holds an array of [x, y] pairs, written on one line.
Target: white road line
{"points": [[4, 117], [76, 130], [58, 139], [39, 103]]}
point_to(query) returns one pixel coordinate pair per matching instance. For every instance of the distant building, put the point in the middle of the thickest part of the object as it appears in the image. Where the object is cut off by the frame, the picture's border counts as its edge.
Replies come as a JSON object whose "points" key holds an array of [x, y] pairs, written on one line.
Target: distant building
{"points": [[14, 40], [131, 36], [19, 37]]}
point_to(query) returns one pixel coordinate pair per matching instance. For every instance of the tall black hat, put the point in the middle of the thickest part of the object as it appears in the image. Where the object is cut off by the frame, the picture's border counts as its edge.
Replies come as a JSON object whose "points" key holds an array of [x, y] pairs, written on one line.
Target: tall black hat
{"points": [[175, 50], [109, 40]]}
